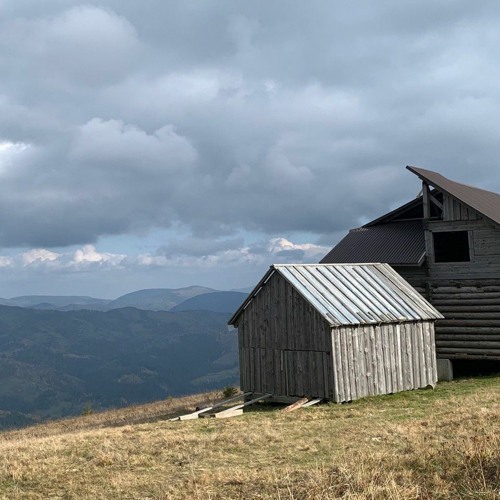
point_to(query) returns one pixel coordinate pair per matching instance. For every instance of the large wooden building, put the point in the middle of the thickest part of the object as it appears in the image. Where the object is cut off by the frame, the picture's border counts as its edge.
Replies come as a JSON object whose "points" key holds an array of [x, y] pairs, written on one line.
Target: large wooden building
{"points": [[446, 243], [338, 332]]}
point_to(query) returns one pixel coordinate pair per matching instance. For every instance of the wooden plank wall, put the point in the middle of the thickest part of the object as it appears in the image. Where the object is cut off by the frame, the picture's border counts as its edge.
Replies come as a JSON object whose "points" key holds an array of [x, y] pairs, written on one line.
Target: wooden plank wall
{"points": [[382, 359], [466, 293], [485, 252], [284, 344], [454, 210]]}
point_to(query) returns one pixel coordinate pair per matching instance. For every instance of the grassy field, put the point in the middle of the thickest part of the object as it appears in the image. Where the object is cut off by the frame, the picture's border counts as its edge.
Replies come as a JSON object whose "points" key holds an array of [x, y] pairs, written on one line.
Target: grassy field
{"points": [[442, 443]]}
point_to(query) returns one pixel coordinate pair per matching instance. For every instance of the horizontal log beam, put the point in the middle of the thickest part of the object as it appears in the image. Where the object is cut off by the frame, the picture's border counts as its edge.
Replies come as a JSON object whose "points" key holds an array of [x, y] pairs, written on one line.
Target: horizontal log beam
{"points": [[467, 329], [468, 356], [489, 352], [472, 344], [459, 336], [476, 323]]}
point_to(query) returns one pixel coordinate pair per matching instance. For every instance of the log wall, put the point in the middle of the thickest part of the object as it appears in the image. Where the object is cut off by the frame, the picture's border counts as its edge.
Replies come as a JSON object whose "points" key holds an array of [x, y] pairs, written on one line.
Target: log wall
{"points": [[466, 293]]}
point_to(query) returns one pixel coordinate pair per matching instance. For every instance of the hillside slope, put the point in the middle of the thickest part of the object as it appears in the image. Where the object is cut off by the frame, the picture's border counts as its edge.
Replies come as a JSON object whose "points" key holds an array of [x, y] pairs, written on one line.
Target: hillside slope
{"points": [[420, 444], [55, 364]]}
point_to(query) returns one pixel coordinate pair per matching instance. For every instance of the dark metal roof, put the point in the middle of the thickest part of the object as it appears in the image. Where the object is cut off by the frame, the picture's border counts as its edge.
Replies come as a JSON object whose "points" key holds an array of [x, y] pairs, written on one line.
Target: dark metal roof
{"points": [[352, 294], [485, 202], [397, 243]]}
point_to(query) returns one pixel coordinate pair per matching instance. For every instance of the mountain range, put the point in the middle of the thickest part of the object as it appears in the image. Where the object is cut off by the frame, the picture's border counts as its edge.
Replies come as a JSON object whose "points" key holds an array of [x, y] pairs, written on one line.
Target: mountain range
{"points": [[152, 299], [60, 355]]}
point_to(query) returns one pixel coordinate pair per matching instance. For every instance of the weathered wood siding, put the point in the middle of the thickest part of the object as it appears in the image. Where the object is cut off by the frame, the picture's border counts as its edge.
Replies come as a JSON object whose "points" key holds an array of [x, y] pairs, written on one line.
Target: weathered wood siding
{"points": [[284, 344], [382, 359], [484, 238], [454, 210]]}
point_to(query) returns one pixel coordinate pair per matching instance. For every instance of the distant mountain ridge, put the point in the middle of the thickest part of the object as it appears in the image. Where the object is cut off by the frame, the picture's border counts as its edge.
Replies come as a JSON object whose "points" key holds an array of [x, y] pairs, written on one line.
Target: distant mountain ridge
{"points": [[150, 299], [226, 302], [158, 299]]}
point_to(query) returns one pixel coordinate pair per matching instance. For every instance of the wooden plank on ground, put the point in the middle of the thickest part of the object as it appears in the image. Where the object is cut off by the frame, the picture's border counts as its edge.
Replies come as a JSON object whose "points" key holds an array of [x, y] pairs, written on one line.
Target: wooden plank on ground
{"points": [[295, 405], [231, 411], [311, 402], [196, 414]]}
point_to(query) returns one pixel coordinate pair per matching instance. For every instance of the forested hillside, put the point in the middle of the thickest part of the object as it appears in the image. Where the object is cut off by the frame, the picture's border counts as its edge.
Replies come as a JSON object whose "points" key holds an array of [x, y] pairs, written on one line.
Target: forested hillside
{"points": [[56, 363]]}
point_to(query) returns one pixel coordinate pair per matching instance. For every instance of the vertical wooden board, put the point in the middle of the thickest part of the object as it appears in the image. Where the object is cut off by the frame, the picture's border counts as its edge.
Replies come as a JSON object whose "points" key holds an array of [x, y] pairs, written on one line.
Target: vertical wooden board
{"points": [[327, 383], [382, 330], [312, 377], [345, 362], [263, 371], [362, 382], [369, 360], [423, 361], [429, 353], [374, 370], [257, 386], [385, 337], [278, 373], [415, 355], [408, 356], [366, 360], [379, 376], [404, 359], [299, 371], [355, 333], [399, 365], [433, 351], [321, 386], [337, 367], [270, 371], [243, 365], [392, 358]]}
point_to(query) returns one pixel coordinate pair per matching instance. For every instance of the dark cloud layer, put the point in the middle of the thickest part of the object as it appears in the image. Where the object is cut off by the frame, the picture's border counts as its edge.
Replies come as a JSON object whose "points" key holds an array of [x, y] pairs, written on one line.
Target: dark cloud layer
{"points": [[221, 116]]}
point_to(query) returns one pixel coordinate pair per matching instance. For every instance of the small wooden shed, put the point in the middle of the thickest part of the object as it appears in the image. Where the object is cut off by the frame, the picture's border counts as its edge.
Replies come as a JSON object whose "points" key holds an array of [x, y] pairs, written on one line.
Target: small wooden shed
{"points": [[335, 331]]}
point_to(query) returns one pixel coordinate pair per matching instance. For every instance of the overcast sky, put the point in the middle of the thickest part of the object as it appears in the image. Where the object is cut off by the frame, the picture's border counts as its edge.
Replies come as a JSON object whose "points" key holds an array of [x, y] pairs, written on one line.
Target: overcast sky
{"points": [[169, 143]]}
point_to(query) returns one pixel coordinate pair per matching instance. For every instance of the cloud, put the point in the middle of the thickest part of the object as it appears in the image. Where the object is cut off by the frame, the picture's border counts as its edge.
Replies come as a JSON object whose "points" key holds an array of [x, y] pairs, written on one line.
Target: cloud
{"points": [[39, 255], [85, 44], [89, 255]]}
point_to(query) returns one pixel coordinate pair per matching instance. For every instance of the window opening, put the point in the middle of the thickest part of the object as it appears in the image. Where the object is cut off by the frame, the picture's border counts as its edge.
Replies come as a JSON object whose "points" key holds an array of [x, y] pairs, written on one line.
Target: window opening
{"points": [[451, 246]]}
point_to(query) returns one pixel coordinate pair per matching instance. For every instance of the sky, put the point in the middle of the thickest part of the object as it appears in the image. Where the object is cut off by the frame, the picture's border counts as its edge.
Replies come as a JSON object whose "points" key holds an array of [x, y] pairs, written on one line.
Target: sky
{"points": [[162, 144]]}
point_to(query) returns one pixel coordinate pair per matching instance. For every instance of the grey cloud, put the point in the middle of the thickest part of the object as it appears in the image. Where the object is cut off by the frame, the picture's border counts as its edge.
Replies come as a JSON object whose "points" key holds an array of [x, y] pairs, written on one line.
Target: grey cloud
{"points": [[198, 247], [221, 117]]}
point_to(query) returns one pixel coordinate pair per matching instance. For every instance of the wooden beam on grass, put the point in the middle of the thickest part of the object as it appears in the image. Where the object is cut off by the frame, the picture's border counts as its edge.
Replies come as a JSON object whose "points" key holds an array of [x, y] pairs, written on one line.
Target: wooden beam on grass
{"points": [[198, 413], [238, 409], [296, 405]]}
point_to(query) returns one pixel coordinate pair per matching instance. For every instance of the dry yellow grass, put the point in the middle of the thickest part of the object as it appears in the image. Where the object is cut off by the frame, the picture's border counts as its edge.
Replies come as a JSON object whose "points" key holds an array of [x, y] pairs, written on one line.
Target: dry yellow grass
{"points": [[422, 444]]}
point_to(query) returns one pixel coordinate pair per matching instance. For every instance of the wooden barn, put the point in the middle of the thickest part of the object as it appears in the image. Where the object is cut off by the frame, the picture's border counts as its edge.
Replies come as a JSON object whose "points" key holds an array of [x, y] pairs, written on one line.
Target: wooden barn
{"points": [[446, 243], [338, 332]]}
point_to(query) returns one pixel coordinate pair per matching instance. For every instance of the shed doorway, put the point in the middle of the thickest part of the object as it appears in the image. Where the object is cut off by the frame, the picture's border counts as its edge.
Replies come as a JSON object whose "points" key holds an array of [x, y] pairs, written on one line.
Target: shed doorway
{"points": [[305, 373]]}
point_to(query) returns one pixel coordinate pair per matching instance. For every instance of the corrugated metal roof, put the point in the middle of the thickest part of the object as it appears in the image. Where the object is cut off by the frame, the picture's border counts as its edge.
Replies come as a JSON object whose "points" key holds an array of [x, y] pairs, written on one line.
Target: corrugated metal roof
{"points": [[352, 294], [485, 202], [397, 243]]}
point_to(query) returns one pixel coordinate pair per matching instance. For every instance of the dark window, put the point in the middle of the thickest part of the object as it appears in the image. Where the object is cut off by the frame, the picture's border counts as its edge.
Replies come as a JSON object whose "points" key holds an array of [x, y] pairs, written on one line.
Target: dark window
{"points": [[451, 246]]}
